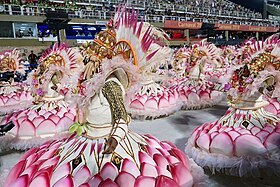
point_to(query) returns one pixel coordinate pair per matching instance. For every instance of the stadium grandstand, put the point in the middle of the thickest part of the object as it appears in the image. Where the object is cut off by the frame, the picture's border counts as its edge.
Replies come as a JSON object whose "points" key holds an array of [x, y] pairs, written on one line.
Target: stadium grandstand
{"points": [[186, 21], [139, 93]]}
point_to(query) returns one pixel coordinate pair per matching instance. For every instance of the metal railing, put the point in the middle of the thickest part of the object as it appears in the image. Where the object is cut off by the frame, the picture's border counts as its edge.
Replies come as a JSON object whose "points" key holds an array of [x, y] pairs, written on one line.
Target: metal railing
{"points": [[105, 14], [159, 6]]}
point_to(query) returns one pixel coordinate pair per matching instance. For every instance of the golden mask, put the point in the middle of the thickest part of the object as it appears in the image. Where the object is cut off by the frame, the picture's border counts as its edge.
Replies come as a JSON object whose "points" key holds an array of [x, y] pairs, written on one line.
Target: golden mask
{"points": [[260, 62], [55, 59], [104, 44], [8, 64]]}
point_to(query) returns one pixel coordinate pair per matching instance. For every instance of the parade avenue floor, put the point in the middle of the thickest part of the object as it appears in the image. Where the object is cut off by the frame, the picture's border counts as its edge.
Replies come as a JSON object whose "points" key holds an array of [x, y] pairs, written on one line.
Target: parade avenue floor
{"points": [[176, 128]]}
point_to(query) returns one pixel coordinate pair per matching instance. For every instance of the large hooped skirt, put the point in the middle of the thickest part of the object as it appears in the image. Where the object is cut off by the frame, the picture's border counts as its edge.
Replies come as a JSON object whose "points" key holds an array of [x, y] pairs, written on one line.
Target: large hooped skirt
{"points": [[273, 107], [34, 126], [197, 95], [15, 101], [77, 161], [235, 149], [143, 105]]}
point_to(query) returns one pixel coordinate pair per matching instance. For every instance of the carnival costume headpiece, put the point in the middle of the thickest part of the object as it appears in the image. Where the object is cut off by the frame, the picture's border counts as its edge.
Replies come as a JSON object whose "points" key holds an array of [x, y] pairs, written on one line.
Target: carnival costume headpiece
{"points": [[202, 52], [101, 48], [124, 39], [205, 49], [229, 54], [144, 40], [9, 61], [60, 62], [263, 68]]}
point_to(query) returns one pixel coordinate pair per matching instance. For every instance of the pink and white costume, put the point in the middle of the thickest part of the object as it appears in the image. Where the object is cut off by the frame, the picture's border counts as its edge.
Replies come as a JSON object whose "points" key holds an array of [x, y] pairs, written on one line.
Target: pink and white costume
{"points": [[153, 100], [13, 96], [51, 116], [194, 90], [105, 152], [148, 98], [245, 141]]}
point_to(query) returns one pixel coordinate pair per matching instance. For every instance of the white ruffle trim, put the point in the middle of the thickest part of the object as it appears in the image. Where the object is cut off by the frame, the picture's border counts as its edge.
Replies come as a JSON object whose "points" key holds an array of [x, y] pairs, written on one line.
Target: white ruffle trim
{"points": [[9, 141], [11, 108], [153, 113], [236, 166], [200, 179]]}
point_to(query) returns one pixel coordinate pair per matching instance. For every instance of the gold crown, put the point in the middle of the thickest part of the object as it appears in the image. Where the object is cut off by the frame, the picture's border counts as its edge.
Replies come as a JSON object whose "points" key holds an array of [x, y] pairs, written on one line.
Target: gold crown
{"points": [[53, 59], [199, 53], [8, 64], [259, 62], [104, 43], [262, 60]]}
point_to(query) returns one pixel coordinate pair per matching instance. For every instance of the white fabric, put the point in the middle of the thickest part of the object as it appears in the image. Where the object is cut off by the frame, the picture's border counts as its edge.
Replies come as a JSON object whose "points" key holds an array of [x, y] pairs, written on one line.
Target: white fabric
{"points": [[121, 131], [50, 92], [236, 166], [8, 89], [99, 110], [100, 116], [254, 102], [196, 72]]}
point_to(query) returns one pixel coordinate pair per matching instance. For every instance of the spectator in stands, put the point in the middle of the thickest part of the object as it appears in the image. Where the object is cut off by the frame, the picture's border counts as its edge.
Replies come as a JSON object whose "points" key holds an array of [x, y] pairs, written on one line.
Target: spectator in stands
{"points": [[30, 32], [32, 60], [19, 34], [179, 10]]}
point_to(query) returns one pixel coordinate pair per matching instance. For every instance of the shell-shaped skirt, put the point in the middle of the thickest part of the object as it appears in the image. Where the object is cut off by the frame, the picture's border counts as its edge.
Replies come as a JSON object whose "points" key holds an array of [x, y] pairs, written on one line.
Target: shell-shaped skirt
{"points": [[35, 125], [78, 161], [151, 103], [246, 145], [15, 101], [196, 94]]}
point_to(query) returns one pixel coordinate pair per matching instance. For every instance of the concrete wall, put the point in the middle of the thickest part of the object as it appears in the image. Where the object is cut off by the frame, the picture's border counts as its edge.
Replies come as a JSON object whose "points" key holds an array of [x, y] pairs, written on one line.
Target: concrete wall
{"points": [[19, 18], [26, 44], [35, 44]]}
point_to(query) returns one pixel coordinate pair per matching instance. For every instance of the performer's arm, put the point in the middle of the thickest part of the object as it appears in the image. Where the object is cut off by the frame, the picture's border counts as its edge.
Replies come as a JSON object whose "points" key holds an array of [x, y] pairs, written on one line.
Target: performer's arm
{"points": [[113, 92], [56, 78], [268, 86]]}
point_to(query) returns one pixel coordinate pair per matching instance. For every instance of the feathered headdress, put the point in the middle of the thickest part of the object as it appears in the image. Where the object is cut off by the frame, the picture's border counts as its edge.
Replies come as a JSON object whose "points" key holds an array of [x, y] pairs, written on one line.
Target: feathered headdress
{"points": [[265, 62], [58, 59], [144, 40], [10, 61]]}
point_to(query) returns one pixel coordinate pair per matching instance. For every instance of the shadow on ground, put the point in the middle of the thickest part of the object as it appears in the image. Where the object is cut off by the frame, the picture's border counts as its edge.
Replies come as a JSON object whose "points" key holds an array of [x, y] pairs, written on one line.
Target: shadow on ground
{"points": [[221, 180]]}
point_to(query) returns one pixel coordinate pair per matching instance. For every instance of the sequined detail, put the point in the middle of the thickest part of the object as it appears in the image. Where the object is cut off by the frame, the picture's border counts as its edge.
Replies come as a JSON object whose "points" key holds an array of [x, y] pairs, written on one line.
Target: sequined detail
{"points": [[113, 93], [76, 162], [142, 147], [245, 124], [7, 64], [56, 59], [58, 152], [116, 160]]}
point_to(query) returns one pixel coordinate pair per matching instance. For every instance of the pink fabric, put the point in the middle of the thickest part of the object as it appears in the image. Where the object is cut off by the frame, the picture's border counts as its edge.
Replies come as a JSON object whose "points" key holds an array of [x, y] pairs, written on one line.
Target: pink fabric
{"points": [[195, 97], [35, 123], [153, 106], [237, 149], [161, 165], [15, 101]]}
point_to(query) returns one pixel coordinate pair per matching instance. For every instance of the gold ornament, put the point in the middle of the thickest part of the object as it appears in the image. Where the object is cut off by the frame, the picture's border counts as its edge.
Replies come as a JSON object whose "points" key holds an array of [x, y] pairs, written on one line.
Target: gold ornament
{"points": [[7, 64]]}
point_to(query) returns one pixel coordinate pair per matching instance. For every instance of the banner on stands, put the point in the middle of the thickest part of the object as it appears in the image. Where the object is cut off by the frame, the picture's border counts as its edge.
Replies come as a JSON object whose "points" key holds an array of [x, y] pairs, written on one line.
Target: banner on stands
{"points": [[231, 27], [250, 28], [182, 24]]}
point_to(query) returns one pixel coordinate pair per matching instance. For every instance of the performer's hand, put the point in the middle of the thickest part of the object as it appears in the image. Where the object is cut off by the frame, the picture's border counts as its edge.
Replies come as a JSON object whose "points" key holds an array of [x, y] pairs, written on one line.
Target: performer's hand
{"points": [[54, 87], [111, 145]]}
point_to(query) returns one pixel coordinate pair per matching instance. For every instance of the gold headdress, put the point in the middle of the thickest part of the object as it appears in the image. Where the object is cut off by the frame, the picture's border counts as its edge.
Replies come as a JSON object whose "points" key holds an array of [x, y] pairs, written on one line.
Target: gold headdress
{"points": [[104, 43], [9, 61], [102, 47], [7, 64]]}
